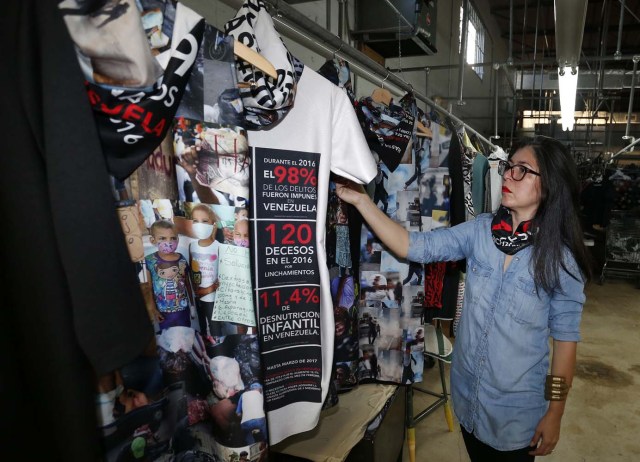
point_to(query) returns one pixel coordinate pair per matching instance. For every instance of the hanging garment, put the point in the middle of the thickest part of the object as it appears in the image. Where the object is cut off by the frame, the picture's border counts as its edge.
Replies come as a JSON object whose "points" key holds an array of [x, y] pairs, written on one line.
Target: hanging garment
{"points": [[387, 129], [420, 145], [478, 186], [132, 120], [265, 102], [308, 152], [441, 291], [71, 304], [197, 391], [457, 207], [111, 43], [469, 153], [417, 196], [338, 72], [291, 165]]}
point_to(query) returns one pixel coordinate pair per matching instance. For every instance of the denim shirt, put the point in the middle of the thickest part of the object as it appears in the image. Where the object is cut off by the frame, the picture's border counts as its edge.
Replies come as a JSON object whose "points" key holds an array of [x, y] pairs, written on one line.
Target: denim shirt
{"points": [[501, 354]]}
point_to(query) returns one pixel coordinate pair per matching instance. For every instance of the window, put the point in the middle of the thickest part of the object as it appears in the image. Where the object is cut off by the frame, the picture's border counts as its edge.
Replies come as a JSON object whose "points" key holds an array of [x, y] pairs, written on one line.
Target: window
{"points": [[475, 40]]}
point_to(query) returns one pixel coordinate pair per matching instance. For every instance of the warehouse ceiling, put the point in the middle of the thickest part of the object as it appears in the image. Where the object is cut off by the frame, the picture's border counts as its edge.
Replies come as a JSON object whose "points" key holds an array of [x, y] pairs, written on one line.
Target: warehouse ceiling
{"points": [[604, 79]]}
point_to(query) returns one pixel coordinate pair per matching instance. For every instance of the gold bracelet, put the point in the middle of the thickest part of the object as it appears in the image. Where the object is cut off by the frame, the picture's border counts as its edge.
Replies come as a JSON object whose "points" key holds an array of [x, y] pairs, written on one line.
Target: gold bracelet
{"points": [[555, 388]]}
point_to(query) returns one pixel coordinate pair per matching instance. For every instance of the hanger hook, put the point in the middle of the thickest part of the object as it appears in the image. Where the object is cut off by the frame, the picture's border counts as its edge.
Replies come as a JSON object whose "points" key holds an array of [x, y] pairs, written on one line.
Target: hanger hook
{"points": [[338, 50], [384, 80]]}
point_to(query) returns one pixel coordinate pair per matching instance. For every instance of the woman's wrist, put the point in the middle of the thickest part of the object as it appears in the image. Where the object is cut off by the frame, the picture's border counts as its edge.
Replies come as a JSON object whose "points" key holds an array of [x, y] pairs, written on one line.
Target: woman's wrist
{"points": [[556, 408]]}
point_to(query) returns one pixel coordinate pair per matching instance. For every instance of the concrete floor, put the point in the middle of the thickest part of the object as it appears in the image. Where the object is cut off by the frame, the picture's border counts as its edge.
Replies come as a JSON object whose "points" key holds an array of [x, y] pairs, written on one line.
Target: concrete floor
{"points": [[602, 418]]}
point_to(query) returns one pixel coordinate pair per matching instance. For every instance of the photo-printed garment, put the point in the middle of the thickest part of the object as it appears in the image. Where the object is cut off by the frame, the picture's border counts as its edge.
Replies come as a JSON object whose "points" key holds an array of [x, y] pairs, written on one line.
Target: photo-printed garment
{"points": [[179, 400], [292, 165], [394, 293]]}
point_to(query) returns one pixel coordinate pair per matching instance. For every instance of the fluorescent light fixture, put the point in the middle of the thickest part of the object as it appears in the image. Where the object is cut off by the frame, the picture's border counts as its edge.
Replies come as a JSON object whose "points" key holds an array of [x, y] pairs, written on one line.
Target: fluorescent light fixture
{"points": [[568, 83]]}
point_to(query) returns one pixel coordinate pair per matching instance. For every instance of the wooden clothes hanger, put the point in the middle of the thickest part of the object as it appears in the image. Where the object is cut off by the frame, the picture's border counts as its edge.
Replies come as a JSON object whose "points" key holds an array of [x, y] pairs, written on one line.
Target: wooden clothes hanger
{"points": [[423, 130], [381, 95], [254, 58]]}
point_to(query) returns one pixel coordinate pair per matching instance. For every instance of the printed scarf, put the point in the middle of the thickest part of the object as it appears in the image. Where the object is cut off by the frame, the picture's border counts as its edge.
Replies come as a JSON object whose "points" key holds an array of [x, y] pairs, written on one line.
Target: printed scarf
{"points": [[265, 102], [132, 121], [503, 236], [337, 71], [388, 130]]}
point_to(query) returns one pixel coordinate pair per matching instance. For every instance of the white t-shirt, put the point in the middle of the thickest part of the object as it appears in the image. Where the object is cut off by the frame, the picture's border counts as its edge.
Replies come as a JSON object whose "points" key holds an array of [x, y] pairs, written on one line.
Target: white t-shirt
{"points": [[322, 121], [207, 265]]}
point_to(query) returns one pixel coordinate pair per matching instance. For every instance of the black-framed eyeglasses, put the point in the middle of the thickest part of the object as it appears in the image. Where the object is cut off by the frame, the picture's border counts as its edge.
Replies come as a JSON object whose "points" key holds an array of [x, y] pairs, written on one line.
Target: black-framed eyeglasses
{"points": [[518, 172]]}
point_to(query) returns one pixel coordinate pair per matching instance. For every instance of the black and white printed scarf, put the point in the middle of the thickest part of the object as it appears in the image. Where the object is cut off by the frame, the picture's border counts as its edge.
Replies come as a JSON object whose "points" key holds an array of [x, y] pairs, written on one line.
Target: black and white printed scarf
{"points": [[503, 236], [265, 102], [387, 129]]}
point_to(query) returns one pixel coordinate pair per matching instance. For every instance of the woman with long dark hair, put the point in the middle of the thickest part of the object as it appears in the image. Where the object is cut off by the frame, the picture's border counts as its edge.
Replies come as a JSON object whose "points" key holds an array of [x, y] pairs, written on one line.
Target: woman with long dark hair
{"points": [[526, 270]]}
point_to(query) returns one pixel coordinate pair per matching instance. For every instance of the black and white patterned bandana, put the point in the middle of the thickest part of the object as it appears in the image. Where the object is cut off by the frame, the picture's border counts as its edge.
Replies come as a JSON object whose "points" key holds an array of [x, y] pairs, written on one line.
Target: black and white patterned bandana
{"points": [[505, 239], [265, 102]]}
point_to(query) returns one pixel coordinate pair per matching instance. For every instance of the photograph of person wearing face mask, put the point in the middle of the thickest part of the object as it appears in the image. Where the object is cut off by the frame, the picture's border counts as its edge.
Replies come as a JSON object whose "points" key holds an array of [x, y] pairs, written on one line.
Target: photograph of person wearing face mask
{"points": [[241, 232], [203, 256], [169, 276]]}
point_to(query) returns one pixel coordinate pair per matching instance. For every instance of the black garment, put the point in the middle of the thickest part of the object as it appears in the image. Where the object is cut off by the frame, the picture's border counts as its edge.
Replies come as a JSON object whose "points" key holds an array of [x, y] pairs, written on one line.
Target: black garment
{"points": [[71, 299], [480, 452], [456, 204]]}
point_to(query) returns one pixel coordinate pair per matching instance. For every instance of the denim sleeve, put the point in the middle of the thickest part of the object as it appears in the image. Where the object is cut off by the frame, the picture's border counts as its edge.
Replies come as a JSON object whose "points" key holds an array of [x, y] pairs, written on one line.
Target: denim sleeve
{"points": [[566, 309], [444, 244]]}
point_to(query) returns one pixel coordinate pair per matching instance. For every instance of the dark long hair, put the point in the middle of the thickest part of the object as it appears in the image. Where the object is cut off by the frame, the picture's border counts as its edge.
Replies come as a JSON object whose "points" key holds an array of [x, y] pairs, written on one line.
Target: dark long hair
{"points": [[557, 218]]}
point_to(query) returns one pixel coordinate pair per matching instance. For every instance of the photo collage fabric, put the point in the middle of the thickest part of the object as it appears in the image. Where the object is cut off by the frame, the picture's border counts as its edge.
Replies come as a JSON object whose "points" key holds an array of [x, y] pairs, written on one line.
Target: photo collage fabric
{"points": [[196, 393], [414, 192]]}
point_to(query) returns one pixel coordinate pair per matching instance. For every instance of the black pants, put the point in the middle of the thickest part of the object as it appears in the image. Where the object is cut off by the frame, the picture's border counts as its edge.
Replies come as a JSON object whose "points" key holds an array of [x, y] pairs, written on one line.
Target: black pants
{"points": [[480, 452]]}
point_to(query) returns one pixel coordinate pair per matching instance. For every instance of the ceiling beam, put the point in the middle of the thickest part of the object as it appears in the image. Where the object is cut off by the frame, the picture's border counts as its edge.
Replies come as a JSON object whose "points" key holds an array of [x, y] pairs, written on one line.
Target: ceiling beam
{"points": [[587, 30], [520, 6]]}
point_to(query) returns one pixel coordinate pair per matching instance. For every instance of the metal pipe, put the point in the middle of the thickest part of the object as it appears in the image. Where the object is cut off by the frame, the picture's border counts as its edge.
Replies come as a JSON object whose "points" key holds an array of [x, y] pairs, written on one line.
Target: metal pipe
{"points": [[393, 7], [426, 80], [633, 88], [618, 54], [341, 13], [547, 61], [626, 148], [542, 71], [630, 11], [495, 107], [603, 44], [292, 23], [510, 58], [524, 27], [610, 123], [463, 50], [415, 30], [535, 52], [508, 77], [327, 21]]}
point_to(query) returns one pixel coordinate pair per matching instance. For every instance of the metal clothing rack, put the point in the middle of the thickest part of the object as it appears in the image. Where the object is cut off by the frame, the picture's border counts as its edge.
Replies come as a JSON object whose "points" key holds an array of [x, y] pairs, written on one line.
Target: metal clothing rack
{"points": [[304, 31]]}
